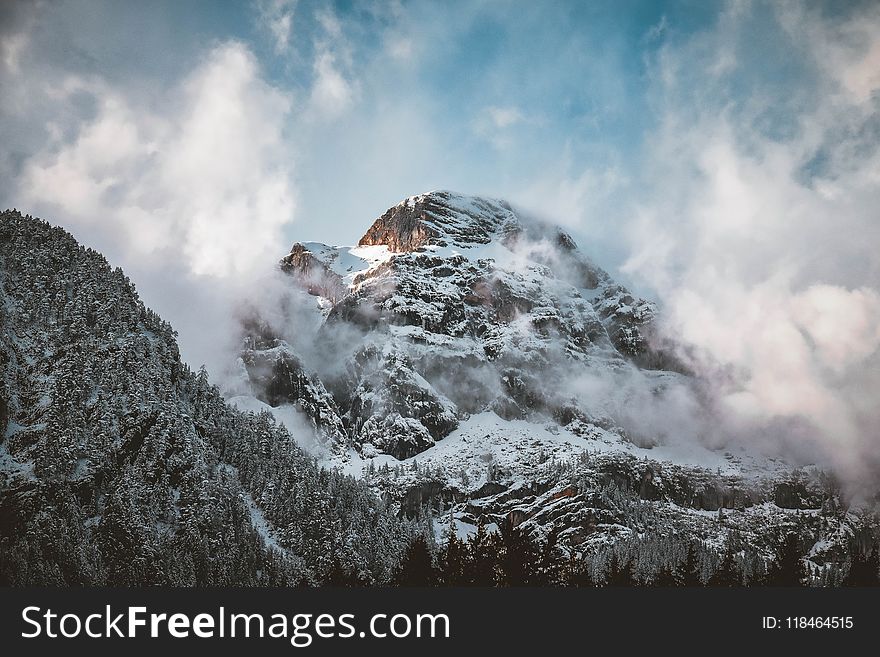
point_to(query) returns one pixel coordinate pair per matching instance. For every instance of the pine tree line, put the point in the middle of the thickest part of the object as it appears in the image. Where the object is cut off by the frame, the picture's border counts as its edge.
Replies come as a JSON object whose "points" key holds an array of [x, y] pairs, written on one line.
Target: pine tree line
{"points": [[512, 556]]}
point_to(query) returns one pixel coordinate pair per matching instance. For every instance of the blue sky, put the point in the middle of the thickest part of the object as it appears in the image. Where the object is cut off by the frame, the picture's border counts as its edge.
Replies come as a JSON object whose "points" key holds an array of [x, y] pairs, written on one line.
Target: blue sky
{"points": [[482, 97], [571, 110], [722, 158]]}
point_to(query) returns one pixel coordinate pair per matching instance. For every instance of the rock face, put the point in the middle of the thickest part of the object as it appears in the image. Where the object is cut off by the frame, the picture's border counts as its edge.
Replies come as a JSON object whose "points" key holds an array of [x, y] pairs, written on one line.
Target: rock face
{"points": [[402, 228], [281, 377], [460, 305], [397, 411], [440, 219], [313, 274]]}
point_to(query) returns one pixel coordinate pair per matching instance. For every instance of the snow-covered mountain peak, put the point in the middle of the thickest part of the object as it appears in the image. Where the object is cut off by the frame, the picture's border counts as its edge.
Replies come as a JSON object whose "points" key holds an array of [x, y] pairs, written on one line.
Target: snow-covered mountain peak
{"points": [[452, 305], [455, 229]]}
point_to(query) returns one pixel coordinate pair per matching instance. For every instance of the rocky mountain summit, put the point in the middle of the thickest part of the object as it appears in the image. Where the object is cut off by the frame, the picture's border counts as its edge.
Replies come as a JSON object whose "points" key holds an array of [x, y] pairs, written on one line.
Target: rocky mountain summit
{"points": [[459, 306]]}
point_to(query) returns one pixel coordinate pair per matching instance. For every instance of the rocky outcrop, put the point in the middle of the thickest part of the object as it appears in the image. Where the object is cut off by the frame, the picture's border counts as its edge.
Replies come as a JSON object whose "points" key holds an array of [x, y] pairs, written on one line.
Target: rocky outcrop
{"points": [[440, 219], [396, 410], [402, 229], [312, 274], [279, 377]]}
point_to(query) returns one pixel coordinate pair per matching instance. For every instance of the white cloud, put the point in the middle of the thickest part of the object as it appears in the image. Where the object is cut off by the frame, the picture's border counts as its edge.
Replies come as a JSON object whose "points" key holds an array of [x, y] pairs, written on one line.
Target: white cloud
{"points": [[575, 199], [276, 17], [330, 24], [844, 325], [206, 178], [848, 51], [658, 30], [401, 48], [498, 124], [768, 269], [504, 117], [11, 48], [333, 92]]}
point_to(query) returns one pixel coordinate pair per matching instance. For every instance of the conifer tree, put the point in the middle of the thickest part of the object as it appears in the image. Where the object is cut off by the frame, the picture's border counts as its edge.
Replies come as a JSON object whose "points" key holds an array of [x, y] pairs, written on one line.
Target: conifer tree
{"points": [[688, 572], [620, 571], [863, 570], [417, 566], [453, 558], [727, 573], [788, 569], [482, 553], [519, 556]]}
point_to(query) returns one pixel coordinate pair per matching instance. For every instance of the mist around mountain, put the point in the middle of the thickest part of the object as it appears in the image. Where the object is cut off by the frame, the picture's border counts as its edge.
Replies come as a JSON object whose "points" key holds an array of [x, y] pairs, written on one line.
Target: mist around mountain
{"points": [[462, 398]]}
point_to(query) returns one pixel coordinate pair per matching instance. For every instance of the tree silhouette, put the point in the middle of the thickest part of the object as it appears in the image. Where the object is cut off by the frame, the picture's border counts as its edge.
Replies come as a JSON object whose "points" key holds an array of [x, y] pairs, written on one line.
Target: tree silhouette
{"points": [[549, 571], [666, 577], [482, 555], [453, 560], [728, 573], [688, 572], [417, 565], [519, 556], [788, 569], [620, 572], [863, 570]]}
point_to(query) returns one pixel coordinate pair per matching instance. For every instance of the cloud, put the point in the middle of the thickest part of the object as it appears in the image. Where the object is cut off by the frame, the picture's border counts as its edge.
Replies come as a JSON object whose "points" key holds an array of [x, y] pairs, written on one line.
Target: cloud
{"points": [[573, 196], [332, 93], [848, 51], [843, 325], [504, 117], [11, 48], [401, 48], [276, 18], [204, 179], [658, 30], [758, 233], [500, 124]]}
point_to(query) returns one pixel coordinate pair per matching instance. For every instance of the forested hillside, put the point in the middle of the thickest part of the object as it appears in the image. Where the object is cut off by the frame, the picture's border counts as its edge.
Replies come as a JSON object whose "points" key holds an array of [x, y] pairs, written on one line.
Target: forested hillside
{"points": [[120, 466]]}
